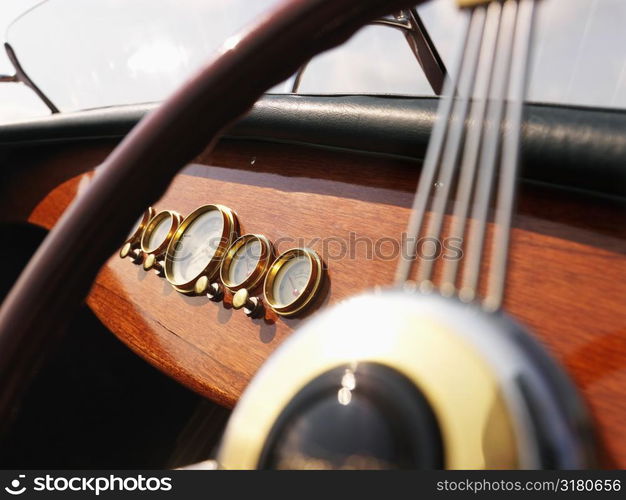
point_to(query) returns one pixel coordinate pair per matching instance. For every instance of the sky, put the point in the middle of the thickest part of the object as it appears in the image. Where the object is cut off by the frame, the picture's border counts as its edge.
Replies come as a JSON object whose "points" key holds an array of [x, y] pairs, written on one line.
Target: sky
{"points": [[93, 53]]}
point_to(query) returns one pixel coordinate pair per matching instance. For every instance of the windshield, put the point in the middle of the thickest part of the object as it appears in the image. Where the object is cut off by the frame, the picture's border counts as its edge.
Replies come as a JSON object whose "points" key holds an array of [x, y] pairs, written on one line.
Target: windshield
{"points": [[91, 54]]}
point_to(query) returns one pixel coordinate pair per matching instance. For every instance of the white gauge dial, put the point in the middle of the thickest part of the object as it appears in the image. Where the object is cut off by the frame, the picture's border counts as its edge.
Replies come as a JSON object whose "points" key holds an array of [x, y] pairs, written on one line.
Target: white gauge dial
{"points": [[197, 246], [291, 280], [159, 233], [244, 262]]}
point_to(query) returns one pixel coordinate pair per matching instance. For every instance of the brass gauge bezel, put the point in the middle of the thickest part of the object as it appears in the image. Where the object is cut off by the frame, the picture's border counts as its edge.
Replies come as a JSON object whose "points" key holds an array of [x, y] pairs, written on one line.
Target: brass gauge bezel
{"points": [[311, 289], [230, 231], [135, 238], [175, 218], [262, 265]]}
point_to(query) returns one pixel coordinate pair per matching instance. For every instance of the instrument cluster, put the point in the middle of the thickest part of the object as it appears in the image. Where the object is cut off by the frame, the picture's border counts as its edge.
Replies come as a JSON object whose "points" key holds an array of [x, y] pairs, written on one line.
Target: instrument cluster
{"points": [[204, 254]]}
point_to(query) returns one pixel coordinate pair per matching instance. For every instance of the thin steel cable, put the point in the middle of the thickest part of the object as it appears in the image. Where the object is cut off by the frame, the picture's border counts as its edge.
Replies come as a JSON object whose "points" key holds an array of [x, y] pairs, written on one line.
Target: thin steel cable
{"points": [[489, 152], [431, 161], [454, 140], [510, 155], [472, 142]]}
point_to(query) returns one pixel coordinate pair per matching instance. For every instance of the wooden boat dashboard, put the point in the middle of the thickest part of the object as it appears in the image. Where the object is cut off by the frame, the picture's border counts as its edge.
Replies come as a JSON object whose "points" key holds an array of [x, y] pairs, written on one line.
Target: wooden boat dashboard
{"points": [[567, 280]]}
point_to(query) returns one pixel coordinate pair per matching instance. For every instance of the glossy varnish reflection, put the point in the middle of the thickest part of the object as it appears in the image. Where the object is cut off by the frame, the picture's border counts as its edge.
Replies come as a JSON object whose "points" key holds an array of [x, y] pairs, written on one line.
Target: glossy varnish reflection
{"points": [[567, 277]]}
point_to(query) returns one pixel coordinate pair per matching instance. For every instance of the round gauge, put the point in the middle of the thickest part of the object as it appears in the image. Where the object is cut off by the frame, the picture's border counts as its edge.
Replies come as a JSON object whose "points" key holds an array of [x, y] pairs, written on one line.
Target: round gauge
{"points": [[293, 280], [157, 234], [198, 245], [136, 232], [246, 262]]}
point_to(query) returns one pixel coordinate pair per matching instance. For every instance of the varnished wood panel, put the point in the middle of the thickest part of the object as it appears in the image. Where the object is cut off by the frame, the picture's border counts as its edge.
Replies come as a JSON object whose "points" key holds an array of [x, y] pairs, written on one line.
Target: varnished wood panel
{"points": [[567, 277]]}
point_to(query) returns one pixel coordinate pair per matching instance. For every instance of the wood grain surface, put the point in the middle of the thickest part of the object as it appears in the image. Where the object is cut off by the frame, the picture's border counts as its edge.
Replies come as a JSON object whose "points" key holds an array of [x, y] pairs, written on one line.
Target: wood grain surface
{"points": [[222, 90], [567, 279]]}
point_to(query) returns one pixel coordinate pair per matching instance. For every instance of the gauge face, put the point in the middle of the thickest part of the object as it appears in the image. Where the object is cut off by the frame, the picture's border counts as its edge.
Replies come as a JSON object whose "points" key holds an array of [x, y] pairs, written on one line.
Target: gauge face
{"points": [[197, 246], [291, 280], [294, 279], [159, 233], [244, 262]]}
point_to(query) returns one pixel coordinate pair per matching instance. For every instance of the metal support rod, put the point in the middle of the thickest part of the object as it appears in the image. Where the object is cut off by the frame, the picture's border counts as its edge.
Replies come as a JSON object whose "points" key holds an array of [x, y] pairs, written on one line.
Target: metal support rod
{"points": [[422, 46], [22, 77]]}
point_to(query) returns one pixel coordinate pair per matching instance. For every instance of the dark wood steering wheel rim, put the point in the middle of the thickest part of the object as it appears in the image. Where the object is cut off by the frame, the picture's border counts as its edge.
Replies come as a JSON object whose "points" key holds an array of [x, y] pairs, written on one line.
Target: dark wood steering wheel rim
{"points": [[60, 274]]}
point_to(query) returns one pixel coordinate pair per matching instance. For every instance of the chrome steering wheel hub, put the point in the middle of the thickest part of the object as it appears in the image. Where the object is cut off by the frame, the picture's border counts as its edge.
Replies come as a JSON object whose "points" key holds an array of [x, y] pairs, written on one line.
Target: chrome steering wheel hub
{"points": [[498, 399]]}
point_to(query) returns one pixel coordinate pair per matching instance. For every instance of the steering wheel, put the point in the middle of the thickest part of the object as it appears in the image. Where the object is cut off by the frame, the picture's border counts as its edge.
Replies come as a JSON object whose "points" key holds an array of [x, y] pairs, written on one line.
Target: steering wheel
{"points": [[60, 274]]}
